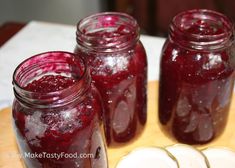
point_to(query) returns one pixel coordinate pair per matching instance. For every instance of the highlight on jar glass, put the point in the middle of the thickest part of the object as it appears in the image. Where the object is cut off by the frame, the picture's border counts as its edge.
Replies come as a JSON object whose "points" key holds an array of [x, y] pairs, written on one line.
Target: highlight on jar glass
{"points": [[196, 76], [110, 44], [57, 113]]}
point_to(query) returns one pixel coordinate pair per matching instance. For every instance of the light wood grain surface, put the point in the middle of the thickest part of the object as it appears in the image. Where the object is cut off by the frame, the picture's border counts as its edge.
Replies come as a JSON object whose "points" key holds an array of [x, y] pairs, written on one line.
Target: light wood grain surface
{"points": [[152, 135]]}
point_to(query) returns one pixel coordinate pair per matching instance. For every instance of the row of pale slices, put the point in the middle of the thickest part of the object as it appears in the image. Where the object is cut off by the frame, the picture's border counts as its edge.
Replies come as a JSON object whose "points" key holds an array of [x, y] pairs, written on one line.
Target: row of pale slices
{"points": [[179, 156]]}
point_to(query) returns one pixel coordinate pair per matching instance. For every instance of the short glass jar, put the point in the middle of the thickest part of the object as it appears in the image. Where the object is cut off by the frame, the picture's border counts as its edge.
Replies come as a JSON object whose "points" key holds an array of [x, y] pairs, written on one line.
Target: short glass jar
{"points": [[57, 113], [197, 76], [110, 44]]}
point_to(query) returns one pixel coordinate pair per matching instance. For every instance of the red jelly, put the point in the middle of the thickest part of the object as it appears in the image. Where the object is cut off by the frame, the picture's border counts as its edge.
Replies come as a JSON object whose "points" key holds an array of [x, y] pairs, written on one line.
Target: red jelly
{"points": [[197, 76], [110, 44], [57, 113], [50, 83]]}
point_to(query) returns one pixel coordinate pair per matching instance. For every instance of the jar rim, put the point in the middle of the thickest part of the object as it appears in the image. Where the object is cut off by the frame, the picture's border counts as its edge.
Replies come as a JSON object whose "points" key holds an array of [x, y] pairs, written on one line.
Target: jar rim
{"points": [[20, 91], [203, 39], [88, 40], [102, 14]]}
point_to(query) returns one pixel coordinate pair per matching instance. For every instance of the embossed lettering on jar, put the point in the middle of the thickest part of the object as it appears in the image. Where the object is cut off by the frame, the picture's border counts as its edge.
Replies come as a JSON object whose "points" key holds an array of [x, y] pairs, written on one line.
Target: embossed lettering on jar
{"points": [[110, 44], [57, 113], [197, 76]]}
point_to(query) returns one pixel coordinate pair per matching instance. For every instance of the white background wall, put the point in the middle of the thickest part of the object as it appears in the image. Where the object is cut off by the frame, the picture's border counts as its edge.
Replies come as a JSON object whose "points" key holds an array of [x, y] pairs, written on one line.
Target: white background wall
{"points": [[60, 11]]}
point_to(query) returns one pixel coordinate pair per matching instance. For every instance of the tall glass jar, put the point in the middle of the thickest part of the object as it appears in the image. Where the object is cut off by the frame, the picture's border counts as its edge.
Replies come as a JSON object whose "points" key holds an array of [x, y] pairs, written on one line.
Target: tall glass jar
{"points": [[110, 44], [197, 76], [57, 113]]}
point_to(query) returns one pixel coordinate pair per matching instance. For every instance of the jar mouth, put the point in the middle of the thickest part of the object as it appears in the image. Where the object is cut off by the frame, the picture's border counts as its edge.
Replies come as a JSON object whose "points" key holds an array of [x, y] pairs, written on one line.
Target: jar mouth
{"points": [[202, 27], [107, 31], [51, 63]]}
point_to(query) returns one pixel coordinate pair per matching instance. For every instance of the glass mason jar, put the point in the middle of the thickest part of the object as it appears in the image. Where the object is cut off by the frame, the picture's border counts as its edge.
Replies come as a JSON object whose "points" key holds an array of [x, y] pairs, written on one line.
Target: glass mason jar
{"points": [[197, 76], [57, 113], [110, 44]]}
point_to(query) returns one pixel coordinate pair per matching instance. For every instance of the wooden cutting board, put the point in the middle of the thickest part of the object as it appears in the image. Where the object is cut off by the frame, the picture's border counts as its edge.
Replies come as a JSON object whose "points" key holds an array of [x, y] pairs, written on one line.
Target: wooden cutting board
{"points": [[152, 135]]}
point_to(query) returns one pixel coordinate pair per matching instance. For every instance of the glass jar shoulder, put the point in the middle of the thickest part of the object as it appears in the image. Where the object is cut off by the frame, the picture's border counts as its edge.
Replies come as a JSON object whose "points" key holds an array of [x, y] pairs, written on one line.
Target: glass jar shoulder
{"points": [[63, 119], [115, 64], [197, 63]]}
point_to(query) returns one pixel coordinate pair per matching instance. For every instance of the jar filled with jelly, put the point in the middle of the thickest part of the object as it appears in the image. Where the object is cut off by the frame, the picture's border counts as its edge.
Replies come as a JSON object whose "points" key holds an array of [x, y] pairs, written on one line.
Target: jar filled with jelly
{"points": [[197, 76], [57, 113], [110, 44]]}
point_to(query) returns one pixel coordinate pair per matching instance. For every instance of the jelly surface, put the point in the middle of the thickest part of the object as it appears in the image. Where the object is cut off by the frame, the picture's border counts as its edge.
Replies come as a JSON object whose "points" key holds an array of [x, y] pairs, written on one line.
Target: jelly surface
{"points": [[121, 78], [68, 136], [204, 27], [50, 83], [195, 88]]}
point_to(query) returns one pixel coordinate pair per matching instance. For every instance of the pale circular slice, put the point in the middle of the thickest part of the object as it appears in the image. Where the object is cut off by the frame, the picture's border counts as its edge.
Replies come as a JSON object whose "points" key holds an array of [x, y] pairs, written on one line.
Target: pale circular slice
{"points": [[219, 157], [149, 157], [188, 156]]}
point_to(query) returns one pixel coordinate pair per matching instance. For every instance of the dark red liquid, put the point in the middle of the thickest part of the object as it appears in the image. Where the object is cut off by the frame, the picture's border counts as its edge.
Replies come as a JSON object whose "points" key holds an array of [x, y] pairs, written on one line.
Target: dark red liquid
{"points": [[69, 130], [195, 89], [121, 78]]}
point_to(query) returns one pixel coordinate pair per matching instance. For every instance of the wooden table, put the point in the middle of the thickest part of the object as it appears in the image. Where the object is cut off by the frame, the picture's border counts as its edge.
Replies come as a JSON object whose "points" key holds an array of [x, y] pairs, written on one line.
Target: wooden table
{"points": [[152, 135], [9, 29]]}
